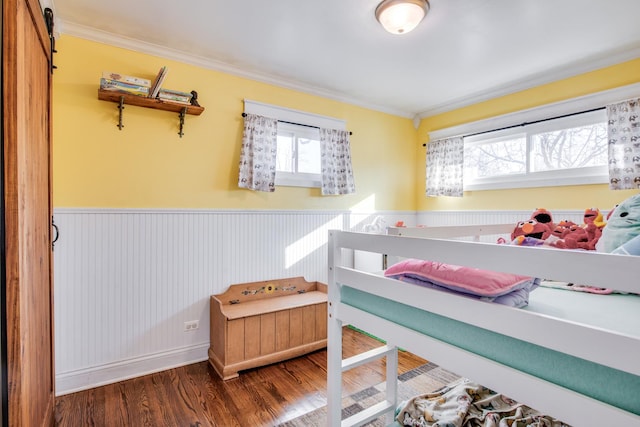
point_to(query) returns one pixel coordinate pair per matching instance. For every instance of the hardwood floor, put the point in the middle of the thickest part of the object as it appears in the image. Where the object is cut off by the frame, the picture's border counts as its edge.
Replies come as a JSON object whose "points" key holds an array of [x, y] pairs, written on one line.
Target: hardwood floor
{"points": [[193, 395]]}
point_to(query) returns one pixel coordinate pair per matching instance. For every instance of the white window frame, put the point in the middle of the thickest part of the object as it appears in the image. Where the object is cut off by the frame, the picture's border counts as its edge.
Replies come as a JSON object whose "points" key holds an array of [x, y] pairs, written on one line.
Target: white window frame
{"points": [[587, 102], [299, 179], [575, 176], [283, 114]]}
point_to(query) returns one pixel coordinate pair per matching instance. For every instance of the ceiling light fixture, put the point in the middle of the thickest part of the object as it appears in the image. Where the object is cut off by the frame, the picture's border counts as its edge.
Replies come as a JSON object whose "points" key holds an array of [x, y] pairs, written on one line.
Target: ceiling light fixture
{"points": [[401, 16]]}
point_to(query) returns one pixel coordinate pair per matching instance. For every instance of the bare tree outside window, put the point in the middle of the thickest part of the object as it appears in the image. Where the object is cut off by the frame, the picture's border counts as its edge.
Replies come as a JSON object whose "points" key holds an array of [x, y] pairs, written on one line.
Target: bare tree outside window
{"points": [[297, 154], [563, 146], [569, 148], [285, 152], [495, 158]]}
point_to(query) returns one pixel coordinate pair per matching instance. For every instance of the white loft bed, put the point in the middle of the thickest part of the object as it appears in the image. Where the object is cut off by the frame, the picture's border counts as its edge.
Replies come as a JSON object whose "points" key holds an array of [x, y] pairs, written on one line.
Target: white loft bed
{"points": [[556, 331]]}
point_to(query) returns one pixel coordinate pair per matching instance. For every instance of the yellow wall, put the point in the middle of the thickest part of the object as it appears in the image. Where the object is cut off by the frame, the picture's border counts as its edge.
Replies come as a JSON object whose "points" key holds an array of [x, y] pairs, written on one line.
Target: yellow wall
{"points": [[570, 197], [147, 165]]}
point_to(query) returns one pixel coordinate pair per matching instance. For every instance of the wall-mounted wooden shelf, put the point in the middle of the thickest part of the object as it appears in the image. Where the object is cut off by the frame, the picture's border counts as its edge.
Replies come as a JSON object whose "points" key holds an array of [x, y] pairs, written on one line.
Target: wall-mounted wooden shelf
{"points": [[140, 101]]}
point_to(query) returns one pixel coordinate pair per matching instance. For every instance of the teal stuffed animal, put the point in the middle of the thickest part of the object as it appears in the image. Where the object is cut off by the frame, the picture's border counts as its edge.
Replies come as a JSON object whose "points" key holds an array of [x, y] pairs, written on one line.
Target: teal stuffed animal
{"points": [[622, 232]]}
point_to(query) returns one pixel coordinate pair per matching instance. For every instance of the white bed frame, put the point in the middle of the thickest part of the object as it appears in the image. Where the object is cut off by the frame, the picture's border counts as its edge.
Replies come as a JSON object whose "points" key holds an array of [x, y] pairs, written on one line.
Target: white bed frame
{"points": [[605, 347]]}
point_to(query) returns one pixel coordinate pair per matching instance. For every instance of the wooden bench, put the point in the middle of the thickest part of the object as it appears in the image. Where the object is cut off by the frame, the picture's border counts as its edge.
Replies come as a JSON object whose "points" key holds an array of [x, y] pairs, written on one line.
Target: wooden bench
{"points": [[259, 323]]}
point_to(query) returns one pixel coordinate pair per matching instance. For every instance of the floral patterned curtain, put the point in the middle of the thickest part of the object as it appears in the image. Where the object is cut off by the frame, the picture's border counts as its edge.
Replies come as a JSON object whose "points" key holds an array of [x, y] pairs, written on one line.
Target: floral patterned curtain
{"points": [[624, 144], [258, 155], [445, 159], [337, 173]]}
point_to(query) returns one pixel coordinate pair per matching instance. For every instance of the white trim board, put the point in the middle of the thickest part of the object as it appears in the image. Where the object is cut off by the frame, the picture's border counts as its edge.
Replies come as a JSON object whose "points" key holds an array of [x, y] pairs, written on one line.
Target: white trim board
{"points": [[294, 116], [209, 211], [96, 376], [203, 211]]}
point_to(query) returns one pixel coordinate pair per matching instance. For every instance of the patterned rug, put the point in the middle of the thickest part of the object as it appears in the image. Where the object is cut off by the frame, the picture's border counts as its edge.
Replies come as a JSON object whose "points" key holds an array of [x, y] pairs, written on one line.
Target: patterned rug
{"points": [[423, 379]]}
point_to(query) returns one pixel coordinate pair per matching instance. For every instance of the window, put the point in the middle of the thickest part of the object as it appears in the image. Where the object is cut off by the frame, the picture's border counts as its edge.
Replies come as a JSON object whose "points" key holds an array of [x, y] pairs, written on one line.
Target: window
{"points": [[298, 160], [565, 151]]}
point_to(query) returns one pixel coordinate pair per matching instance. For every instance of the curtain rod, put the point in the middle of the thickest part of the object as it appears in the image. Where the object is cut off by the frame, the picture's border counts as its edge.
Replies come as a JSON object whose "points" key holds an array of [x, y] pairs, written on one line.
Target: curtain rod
{"points": [[532, 123], [297, 124]]}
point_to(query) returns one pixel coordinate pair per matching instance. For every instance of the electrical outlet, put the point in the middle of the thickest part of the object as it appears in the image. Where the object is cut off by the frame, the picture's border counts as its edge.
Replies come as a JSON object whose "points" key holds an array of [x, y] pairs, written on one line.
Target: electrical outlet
{"points": [[191, 325]]}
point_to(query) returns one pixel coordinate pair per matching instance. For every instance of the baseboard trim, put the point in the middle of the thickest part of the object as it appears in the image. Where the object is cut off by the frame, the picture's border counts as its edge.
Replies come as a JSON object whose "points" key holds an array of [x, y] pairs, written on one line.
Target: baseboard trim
{"points": [[83, 379]]}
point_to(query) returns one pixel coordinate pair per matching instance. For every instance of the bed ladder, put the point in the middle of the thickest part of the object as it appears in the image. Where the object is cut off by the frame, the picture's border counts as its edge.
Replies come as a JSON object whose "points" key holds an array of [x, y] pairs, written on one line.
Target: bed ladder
{"points": [[336, 365], [387, 406]]}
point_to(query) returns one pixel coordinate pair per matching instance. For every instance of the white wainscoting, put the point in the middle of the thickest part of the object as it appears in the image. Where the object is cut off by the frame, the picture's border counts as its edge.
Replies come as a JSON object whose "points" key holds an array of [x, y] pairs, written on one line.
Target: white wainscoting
{"points": [[127, 280]]}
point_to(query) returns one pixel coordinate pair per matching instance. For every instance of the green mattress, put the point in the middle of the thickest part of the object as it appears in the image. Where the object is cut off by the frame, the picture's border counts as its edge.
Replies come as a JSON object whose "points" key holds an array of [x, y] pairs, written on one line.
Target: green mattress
{"points": [[612, 386]]}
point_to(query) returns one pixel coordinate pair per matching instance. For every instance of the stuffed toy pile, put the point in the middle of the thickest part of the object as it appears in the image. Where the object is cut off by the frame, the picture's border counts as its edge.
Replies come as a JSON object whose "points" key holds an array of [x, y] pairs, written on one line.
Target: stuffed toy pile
{"points": [[541, 230], [619, 235]]}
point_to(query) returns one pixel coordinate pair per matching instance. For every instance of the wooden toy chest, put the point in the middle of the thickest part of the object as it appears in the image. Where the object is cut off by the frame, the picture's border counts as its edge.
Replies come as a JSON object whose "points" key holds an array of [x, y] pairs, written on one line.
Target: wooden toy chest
{"points": [[259, 323]]}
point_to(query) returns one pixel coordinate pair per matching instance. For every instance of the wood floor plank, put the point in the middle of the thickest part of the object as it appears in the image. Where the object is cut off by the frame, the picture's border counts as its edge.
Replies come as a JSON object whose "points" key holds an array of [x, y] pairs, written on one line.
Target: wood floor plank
{"points": [[178, 399], [194, 395], [81, 409], [199, 382]]}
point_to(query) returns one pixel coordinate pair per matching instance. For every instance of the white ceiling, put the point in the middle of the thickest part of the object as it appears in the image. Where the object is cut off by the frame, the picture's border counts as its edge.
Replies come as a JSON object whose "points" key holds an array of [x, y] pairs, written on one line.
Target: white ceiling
{"points": [[463, 52]]}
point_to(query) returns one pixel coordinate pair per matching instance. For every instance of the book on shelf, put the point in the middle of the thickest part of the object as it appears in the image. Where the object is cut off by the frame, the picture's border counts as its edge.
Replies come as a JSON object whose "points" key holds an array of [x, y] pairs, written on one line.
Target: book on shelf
{"points": [[175, 101], [139, 81], [122, 87], [157, 82], [175, 96]]}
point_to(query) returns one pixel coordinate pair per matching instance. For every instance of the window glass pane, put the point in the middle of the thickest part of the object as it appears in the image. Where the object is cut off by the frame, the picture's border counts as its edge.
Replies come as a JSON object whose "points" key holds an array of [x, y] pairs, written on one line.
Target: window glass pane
{"points": [[497, 157], [308, 156], [298, 157], [284, 158], [569, 148]]}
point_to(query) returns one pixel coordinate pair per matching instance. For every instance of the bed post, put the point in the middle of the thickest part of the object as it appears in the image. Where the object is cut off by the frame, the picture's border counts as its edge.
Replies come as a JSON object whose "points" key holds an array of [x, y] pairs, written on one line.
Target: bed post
{"points": [[392, 380], [334, 341]]}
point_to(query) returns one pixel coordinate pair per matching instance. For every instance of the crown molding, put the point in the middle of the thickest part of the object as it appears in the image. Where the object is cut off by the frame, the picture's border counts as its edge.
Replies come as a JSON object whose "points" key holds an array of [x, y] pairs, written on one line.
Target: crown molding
{"points": [[92, 34], [619, 56], [580, 67]]}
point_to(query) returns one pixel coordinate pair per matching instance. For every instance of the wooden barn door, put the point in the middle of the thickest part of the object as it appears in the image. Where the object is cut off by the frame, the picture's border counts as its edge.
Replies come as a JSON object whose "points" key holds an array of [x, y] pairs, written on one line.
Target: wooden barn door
{"points": [[26, 83]]}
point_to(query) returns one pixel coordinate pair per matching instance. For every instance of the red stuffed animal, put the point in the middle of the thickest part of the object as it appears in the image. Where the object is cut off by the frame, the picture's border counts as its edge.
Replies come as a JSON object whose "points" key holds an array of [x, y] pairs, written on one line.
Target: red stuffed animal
{"points": [[594, 216], [580, 237], [544, 216], [562, 229], [531, 228]]}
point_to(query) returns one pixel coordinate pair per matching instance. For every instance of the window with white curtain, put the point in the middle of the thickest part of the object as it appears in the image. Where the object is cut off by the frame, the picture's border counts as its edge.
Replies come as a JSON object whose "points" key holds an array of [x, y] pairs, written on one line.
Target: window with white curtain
{"points": [[298, 154], [564, 151], [569, 150], [298, 159]]}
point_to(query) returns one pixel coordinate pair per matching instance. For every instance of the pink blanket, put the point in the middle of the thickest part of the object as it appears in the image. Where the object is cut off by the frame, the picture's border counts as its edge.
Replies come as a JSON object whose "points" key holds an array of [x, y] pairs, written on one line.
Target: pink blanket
{"points": [[502, 288]]}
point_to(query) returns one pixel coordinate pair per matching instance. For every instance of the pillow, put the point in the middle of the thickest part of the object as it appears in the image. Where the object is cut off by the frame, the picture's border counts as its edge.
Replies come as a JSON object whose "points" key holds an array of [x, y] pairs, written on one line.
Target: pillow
{"points": [[623, 226], [473, 281]]}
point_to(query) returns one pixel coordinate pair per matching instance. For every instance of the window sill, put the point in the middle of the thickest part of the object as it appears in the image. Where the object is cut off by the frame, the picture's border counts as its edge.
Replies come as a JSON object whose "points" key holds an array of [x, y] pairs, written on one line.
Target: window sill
{"points": [[298, 182], [542, 180]]}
